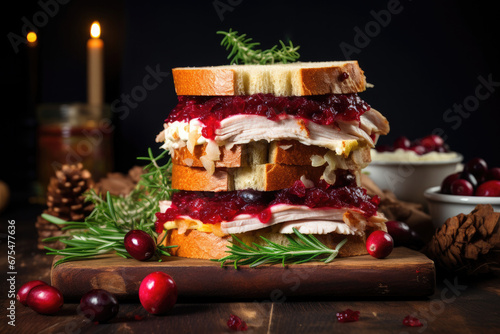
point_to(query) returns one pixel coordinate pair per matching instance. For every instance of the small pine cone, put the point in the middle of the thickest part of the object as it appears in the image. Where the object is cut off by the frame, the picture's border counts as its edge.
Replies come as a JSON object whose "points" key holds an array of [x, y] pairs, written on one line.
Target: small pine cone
{"points": [[65, 200], [468, 243]]}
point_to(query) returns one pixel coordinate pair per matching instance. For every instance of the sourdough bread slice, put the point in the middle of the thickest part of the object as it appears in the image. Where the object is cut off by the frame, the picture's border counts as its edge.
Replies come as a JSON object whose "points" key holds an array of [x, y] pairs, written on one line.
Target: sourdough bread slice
{"points": [[294, 79]]}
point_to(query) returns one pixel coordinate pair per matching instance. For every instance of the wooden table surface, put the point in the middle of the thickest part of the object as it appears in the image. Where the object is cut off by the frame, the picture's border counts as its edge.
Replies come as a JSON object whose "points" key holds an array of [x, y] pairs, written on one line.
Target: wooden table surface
{"points": [[459, 305]]}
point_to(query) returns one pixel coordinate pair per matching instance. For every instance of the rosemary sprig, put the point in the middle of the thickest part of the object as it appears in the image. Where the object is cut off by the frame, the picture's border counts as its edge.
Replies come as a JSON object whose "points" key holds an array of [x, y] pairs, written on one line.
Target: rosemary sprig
{"points": [[243, 50], [104, 229], [303, 248]]}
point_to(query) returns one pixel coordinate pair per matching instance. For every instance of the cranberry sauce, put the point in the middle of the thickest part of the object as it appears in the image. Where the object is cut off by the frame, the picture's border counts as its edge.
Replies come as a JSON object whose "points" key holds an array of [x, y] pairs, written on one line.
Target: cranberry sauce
{"points": [[215, 207], [321, 109]]}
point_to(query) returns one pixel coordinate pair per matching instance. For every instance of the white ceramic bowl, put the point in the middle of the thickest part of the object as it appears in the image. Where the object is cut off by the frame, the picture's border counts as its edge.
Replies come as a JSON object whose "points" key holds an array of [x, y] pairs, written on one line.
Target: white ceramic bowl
{"points": [[442, 207], [409, 180]]}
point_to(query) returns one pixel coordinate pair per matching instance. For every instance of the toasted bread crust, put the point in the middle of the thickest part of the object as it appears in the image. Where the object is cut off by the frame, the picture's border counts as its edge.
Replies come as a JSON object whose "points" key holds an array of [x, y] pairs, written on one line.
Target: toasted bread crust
{"points": [[215, 81], [198, 179], [300, 79], [284, 176], [233, 157], [326, 80], [271, 177], [197, 245], [292, 152]]}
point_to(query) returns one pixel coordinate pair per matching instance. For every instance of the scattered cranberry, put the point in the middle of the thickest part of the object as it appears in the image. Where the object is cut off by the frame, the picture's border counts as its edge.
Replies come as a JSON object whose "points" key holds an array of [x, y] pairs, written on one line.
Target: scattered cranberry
{"points": [[23, 292], [348, 316], [477, 167], [236, 324], [410, 321], [399, 231], [462, 187], [402, 143], [99, 305], [45, 299], [489, 188], [493, 174], [158, 293], [446, 184], [139, 245], [379, 244]]}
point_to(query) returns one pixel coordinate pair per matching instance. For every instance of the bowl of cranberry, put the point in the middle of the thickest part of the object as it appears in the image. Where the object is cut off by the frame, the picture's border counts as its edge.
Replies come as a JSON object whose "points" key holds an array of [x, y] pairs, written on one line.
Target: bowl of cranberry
{"points": [[460, 192], [407, 168]]}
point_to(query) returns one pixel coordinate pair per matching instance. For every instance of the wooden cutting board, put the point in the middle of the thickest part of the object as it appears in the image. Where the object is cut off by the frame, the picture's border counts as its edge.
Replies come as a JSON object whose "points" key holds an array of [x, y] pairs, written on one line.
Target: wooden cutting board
{"points": [[404, 273]]}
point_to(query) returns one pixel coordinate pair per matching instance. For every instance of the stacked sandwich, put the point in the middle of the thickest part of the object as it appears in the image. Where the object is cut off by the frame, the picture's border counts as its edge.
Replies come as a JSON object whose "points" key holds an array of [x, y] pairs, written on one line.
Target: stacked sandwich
{"points": [[259, 150]]}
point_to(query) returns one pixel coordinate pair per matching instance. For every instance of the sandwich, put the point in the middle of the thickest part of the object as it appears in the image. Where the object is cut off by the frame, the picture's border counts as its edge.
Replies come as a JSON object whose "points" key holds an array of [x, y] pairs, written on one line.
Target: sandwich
{"points": [[262, 150]]}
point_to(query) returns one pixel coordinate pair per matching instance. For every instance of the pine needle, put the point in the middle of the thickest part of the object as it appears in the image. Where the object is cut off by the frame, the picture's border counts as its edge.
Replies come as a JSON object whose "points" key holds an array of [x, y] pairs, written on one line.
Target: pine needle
{"points": [[244, 51], [302, 248]]}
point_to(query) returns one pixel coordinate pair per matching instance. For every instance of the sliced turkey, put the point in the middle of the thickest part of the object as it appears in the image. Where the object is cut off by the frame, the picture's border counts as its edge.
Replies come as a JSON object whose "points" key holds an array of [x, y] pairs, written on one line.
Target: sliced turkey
{"points": [[242, 129], [282, 213]]}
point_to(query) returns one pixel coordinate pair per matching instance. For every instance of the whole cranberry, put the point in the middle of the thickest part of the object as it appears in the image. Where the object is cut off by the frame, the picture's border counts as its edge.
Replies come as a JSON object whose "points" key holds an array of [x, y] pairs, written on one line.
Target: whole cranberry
{"points": [[25, 289], [418, 149], [45, 299], [250, 195], [379, 244], [446, 184], [489, 188], [477, 167], [99, 305], [139, 245], [469, 177], [462, 188], [399, 231], [493, 173], [158, 293], [432, 142], [402, 142]]}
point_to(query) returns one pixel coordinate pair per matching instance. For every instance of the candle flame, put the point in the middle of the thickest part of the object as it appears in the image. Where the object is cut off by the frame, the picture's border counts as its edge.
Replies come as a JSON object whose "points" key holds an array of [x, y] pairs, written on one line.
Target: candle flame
{"points": [[95, 30], [31, 37]]}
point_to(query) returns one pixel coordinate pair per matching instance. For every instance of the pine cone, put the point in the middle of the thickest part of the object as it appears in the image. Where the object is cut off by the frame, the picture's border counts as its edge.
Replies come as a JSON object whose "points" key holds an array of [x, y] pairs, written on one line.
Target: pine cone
{"points": [[468, 243], [65, 200]]}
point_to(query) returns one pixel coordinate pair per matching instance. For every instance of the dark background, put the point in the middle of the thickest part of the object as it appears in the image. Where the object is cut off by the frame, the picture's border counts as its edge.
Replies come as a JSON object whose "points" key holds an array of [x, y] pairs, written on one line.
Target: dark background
{"points": [[427, 59]]}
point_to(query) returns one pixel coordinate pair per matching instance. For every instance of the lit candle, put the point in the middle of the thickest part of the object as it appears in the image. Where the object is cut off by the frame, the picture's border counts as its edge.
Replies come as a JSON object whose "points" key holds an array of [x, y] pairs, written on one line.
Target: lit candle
{"points": [[32, 39], [95, 74]]}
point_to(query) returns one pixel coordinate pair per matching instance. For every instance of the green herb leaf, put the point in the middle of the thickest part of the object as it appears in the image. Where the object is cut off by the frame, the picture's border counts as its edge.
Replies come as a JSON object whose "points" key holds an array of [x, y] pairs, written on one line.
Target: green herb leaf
{"points": [[244, 51], [302, 248]]}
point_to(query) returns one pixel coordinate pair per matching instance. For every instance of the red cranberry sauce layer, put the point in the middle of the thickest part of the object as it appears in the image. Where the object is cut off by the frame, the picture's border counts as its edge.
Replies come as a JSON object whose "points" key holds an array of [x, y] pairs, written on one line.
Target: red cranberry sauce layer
{"points": [[216, 207], [321, 109]]}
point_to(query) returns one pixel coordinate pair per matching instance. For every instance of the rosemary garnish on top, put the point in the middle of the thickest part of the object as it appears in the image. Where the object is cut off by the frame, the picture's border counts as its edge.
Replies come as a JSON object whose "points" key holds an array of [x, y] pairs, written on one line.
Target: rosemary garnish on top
{"points": [[303, 248], [243, 50], [104, 229]]}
